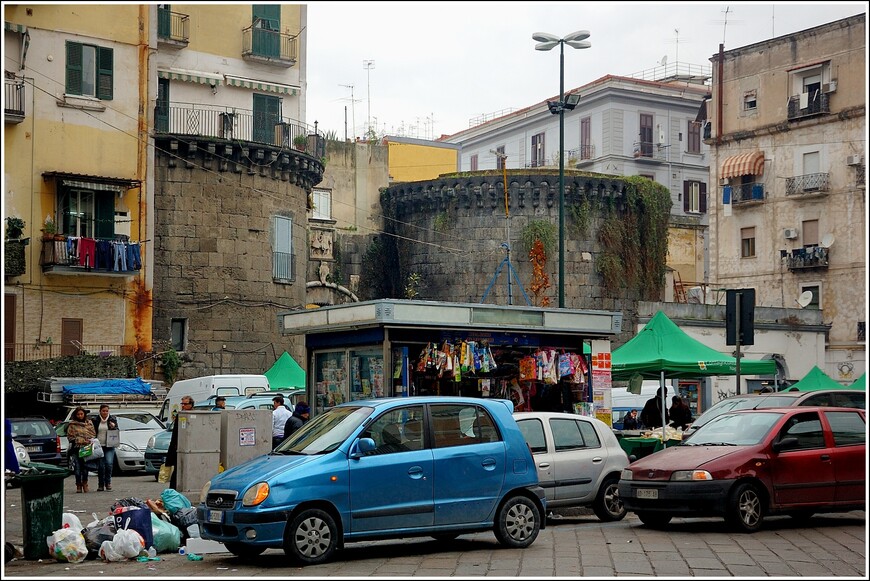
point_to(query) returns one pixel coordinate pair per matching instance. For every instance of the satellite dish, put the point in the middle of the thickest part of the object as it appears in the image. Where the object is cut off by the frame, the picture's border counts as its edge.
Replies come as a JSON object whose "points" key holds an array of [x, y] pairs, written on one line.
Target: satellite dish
{"points": [[827, 240], [664, 61], [805, 298]]}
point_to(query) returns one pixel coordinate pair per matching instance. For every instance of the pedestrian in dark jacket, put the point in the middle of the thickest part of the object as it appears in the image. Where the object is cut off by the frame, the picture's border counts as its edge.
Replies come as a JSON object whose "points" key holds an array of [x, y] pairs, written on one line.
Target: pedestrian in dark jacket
{"points": [[301, 413], [651, 415], [681, 415]]}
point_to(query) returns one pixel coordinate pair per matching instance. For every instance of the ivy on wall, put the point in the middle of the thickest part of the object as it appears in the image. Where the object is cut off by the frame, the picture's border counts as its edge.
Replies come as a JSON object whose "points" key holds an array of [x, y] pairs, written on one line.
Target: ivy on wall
{"points": [[634, 239], [380, 277], [539, 230]]}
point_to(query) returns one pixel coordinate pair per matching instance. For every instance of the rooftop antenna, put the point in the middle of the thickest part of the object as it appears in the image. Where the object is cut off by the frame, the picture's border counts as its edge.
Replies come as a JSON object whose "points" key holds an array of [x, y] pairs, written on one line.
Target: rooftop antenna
{"points": [[677, 42], [352, 112], [725, 23]]}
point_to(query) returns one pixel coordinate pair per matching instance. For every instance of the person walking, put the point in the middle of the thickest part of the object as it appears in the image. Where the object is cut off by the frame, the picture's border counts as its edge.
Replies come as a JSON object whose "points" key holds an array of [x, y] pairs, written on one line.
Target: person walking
{"points": [[172, 451], [651, 414], [102, 424], [220, 404], [280, 415], [681, 415], [79, 432], [301, 413]]}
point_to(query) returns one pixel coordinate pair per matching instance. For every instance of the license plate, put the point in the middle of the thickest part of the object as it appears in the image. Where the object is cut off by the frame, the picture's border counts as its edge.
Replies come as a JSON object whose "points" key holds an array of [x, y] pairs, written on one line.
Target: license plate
{"points": [[215, 516], [33, 448], [647, 493]]}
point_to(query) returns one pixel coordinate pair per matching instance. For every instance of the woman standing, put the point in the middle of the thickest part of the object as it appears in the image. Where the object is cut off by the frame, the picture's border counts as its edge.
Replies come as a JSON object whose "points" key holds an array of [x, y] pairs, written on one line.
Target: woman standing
{"points": [[79, 433], [102, 424]]}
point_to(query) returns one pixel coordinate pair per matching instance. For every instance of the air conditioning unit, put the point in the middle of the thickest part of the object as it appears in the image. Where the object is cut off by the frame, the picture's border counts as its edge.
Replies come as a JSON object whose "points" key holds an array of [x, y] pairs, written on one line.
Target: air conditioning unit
{"points": [[723, 181], [854, 160], [790, 233], [829, 87]]}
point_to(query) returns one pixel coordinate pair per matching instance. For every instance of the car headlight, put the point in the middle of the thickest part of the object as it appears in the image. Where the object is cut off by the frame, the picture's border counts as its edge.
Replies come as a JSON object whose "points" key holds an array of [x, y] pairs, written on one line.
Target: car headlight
{"points": [[151, 441], [691, 475], [127, 448], [256, 494], [204, 492], [626, 474]]}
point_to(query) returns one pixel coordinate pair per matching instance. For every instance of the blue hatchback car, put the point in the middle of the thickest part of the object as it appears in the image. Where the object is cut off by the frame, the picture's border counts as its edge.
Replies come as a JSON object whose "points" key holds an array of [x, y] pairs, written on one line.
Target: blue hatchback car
{"points": [[376, 469]]}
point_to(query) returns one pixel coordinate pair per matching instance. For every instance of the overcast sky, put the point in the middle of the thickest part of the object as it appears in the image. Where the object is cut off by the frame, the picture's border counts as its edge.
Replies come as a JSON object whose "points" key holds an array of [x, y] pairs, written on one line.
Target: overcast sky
{"points": [[439, 64]]}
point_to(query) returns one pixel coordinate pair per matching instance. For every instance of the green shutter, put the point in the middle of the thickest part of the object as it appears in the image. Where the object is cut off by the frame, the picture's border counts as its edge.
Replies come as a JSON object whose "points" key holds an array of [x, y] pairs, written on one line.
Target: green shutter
{"points": [[104, 210], [73, 68], [105, 66], [270, 14]]}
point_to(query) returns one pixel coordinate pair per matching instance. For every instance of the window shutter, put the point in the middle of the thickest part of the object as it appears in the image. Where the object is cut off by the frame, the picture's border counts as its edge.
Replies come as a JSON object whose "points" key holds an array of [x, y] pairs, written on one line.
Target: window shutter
{"points": [[269, 14], [73, 68], [687, 203], [105, 66], [104, 212], [702, 198]]}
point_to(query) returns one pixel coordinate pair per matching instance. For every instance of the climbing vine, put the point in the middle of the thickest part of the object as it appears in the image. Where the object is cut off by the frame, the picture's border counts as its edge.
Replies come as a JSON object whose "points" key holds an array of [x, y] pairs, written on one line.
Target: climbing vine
{"points": [[580, 214], [379, 276], [634, 239], [540, 230], [540, 279], [171, 362]]}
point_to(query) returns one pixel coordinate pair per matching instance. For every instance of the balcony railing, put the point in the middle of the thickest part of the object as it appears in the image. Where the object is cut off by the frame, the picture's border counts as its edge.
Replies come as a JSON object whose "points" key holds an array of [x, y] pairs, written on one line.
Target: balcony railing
{"points": [[105, 257], [860, 176], [227, 123], [649, 151], [807, 104], [173, 27], [806, 258], [744, 193], [13, 104], [37, 351], [812, 183], [268, 46]]}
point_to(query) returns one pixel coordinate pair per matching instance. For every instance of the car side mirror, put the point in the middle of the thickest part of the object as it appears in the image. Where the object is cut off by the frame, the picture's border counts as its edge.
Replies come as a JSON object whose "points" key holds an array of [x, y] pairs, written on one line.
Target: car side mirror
{"points": [[784, 444], [362, 446]]}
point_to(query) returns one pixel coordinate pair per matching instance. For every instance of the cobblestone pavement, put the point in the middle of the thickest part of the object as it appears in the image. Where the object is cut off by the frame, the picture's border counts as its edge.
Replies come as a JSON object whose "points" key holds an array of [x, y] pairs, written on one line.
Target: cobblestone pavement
{"points": [[577, 544]]}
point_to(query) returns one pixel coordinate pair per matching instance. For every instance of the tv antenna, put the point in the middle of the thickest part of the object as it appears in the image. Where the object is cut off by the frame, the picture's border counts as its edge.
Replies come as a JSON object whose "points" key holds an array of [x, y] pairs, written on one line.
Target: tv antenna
{"points": [[352, 112], [506, 245], [827, 240], [663, 62], [804, 299]]}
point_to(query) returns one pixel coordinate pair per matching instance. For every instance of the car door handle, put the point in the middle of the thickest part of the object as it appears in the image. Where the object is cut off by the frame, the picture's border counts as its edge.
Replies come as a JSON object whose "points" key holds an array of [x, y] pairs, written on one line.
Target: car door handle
{"points": [[488, 463], [416, 472], [544, 465], [597, 460], [825, 457]]}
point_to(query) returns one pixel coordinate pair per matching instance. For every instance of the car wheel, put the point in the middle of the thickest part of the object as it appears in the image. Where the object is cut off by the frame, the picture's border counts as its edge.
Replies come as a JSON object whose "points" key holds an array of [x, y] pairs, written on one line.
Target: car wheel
{"points": [[244, 551], [608, 505], [517, 523], [654, 520], [745, 509], [312, 537]]}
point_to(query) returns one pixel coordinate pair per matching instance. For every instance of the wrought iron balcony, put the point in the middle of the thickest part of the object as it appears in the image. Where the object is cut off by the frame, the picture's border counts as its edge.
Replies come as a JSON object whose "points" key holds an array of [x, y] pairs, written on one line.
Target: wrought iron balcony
{"points": [[649, 151], [744, 193], [807, 105], [48, 350], [813, 183], [60, 257], [860, 176], [268, 46], [13, 103], [172, 27], [806, 258]]}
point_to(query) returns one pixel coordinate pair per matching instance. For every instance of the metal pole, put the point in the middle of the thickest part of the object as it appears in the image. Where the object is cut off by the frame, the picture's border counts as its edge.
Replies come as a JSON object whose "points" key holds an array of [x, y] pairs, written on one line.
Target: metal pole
{"points": [[737, 300], [561, 174]]}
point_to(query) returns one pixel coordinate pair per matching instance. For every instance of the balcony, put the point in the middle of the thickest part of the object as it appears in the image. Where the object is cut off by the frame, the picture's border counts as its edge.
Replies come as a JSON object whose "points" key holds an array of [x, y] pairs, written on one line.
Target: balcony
{"points": [[744, 194], [13, 103], [807, 105], [813, 257], [48, 350], [173, 28], [649, 151], [860, 177], [268, 46], [807, 185], [59, 256]]}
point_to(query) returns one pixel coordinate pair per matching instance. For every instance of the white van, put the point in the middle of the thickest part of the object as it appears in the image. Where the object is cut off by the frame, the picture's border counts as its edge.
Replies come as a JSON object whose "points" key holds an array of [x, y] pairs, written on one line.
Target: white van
{"points": [[201, 388]]}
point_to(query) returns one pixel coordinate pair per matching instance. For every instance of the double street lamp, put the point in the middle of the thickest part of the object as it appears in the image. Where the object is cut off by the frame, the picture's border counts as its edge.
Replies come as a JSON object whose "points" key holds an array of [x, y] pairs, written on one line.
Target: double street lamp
{"points": [[546, 42]]}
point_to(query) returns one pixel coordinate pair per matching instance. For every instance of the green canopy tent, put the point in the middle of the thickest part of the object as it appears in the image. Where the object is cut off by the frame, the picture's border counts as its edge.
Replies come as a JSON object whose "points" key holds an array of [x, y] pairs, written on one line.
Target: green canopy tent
{"points": [[817, 380], [661, 350], [285, 373], [860, 383]]}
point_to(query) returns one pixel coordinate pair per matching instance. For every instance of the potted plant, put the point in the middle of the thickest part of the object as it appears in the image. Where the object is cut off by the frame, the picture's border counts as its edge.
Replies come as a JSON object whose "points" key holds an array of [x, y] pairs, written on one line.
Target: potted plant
{"points": [[14, 227], [49, 228], [300, 142]]}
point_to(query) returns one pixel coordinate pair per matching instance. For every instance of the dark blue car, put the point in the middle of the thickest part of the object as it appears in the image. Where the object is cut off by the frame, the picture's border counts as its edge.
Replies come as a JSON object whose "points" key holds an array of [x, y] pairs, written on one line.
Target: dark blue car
{"points": [[384, 468]]}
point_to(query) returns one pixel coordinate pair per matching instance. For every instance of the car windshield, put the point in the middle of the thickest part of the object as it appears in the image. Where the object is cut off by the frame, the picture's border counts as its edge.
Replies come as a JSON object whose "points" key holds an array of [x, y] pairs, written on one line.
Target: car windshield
{"points": [[741, 403], [735, 429], [326, 432]]}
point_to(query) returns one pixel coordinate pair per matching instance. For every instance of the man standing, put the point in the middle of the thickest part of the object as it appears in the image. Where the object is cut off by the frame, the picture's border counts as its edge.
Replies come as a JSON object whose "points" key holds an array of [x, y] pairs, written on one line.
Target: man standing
{"points": [[220, 404], [280, 415], [301, 413], [172, 452], [651, 414]]}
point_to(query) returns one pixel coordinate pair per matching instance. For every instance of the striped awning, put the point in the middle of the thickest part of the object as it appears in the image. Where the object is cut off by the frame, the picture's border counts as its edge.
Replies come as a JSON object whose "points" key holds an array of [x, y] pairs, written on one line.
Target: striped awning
{"points": [[90, 182], [751, 163], [11, 26], [212, 79], [245, 83]]}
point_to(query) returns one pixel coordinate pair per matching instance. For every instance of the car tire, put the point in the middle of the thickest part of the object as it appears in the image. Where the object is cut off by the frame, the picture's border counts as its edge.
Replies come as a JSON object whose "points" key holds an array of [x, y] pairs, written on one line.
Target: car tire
{"points": [[745, 509], [608, 506], [517, 523], [311, 537], [654, 520], [244, 551]]}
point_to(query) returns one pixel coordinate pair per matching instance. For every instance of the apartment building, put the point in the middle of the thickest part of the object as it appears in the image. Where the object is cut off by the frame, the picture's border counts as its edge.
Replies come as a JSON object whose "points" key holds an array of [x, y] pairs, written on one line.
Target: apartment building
{"points": [[786, 125]]}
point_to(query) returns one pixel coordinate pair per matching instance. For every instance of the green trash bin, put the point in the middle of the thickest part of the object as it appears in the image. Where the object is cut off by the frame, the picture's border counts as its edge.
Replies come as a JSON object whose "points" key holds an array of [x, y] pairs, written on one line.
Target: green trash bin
{"points": [[42, 502]]}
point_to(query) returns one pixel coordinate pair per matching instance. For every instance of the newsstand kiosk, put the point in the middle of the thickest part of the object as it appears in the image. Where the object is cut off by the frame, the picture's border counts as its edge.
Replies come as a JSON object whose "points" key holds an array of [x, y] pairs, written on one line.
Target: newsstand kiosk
{"points": [[541, 358]]}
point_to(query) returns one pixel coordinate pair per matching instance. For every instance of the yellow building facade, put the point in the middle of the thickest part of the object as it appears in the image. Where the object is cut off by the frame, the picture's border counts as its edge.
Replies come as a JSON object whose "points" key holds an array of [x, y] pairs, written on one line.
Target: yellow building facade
{"points": [[419, 159]]}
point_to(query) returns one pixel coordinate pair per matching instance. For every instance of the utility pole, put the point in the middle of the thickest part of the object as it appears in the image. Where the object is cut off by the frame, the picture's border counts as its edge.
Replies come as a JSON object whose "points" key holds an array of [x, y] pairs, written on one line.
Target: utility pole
{"points": [[368, 65], [352, 112]]}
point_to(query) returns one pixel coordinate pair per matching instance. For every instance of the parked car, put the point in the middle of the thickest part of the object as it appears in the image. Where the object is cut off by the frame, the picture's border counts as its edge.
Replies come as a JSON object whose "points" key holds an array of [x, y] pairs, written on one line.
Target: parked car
{"points": [[748, 464], [579, 461], [23, 458], [830, 397], [158, 444], [39, 438], [379, 469]]}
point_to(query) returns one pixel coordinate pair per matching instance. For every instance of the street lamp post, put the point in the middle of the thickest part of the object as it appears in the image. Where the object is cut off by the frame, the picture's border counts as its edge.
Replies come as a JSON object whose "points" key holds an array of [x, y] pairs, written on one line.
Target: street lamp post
{"points": [[547, 41]]}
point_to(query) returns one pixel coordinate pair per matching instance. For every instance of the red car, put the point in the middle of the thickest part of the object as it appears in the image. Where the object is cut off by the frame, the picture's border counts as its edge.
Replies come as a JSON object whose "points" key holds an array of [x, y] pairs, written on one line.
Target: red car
{"points": [[748, 464]]}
